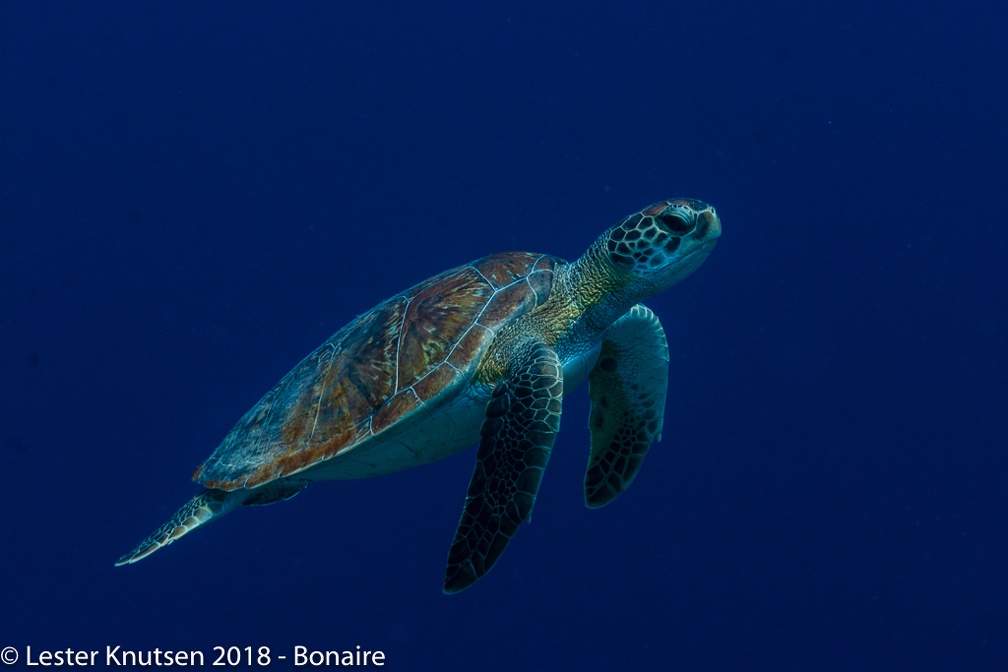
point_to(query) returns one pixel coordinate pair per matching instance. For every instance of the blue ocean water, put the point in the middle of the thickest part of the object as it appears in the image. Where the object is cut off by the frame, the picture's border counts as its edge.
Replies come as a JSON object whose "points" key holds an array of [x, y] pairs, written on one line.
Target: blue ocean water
{"points": [[194, 196]]}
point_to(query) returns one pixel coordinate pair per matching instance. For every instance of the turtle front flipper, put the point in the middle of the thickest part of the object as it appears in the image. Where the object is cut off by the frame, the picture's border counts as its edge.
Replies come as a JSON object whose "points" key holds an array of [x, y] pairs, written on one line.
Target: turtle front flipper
{"points": [[522, 419], [202, 508], [627, 388]]}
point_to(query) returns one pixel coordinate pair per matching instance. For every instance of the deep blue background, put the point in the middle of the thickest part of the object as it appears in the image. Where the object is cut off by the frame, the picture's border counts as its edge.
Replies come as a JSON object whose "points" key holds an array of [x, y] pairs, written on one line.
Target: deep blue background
{"points": [[193, 197]]}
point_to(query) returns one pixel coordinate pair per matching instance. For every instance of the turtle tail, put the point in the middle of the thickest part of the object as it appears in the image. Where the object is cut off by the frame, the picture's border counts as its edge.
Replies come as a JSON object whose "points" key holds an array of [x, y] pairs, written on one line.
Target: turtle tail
{"points": [[202, 508]]}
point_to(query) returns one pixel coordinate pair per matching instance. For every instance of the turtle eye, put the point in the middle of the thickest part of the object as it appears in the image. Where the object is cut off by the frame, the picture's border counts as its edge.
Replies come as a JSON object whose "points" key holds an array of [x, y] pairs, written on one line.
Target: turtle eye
{"points": [[677, 224]]}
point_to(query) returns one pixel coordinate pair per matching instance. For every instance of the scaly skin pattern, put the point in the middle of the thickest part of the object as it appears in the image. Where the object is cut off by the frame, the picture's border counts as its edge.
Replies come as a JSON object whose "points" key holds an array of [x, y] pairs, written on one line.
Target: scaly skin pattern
{"points": [[591, 322], [641, 256], [201, 509], [523, 418]]}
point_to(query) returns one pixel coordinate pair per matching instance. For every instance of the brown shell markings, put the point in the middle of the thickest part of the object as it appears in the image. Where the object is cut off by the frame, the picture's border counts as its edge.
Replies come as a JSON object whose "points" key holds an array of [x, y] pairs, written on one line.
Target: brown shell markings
{"points": [[404, 357]]}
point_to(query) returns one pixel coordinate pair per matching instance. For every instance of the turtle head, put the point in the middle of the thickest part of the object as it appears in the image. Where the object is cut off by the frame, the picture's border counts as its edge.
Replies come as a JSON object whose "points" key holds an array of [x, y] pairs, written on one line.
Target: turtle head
{"points": [[663, 243]]}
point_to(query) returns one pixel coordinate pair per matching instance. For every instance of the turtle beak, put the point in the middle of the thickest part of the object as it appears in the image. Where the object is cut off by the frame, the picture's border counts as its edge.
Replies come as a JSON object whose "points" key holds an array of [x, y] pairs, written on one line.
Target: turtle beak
{"points": [[708, 229]]}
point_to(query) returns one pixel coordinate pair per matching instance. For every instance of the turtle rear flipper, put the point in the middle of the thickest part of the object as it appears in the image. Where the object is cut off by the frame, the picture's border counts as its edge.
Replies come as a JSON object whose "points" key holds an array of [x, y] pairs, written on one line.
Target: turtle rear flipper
{"points": [[201, 509]]}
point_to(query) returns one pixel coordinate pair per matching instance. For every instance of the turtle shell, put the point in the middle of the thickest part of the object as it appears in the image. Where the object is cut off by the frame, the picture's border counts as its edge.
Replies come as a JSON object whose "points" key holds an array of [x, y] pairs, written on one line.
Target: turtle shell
{"points": [[409, 354]]}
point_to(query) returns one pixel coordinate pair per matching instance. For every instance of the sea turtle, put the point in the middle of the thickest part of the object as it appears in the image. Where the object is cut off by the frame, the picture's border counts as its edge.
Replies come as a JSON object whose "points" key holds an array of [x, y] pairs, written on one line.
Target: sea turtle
{"points": [[482, 353]]}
